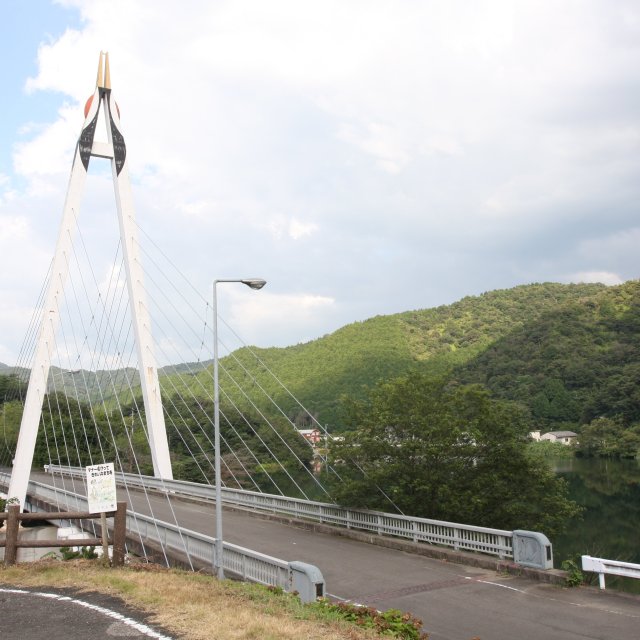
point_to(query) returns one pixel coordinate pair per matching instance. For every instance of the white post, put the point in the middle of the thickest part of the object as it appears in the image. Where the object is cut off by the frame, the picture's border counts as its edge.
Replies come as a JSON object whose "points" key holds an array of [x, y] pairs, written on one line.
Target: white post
{"points": [[253, 283], [216, 437]]}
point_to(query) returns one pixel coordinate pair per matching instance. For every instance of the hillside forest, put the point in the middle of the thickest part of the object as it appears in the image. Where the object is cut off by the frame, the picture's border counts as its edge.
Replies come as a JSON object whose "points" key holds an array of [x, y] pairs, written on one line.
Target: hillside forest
{"points": [[568, 355]]}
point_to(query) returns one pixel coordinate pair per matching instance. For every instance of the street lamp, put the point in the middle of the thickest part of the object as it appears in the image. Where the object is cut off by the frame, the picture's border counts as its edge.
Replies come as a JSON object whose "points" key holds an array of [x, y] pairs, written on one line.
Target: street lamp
{"points": [[252, 283]]}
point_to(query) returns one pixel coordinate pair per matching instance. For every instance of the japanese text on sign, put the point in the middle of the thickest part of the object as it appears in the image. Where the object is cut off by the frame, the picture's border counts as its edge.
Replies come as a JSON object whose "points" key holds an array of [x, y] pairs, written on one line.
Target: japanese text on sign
{"points": [[101, 488]]}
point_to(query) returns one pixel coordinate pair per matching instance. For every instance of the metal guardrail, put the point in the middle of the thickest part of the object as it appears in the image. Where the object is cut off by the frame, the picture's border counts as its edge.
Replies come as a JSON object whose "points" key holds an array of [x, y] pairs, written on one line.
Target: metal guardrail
{"points": [[497, 542], [612, 567], [245, 563]]}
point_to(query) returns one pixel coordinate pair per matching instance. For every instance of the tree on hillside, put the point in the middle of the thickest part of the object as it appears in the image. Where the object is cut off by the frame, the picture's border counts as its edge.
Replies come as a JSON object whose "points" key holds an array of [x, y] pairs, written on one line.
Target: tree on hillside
{"points": [[449, 452], [609, 438], [11, 387], [71, 433]]}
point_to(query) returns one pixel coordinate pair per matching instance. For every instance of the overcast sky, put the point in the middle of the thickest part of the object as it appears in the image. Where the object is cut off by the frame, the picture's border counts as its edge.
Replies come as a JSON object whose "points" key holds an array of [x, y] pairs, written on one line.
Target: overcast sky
{"points": [[365, 157]]}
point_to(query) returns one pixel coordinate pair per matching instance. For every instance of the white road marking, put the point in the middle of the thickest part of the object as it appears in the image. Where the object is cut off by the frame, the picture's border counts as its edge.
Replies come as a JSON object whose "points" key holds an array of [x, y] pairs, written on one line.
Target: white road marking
{"points": [[494, 584], [142, 628]]}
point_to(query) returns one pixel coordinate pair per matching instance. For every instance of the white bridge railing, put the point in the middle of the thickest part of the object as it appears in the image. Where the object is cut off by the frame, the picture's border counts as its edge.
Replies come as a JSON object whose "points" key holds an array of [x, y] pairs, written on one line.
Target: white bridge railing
{"points": [[245, 563], [612, 567], [496, 542]]}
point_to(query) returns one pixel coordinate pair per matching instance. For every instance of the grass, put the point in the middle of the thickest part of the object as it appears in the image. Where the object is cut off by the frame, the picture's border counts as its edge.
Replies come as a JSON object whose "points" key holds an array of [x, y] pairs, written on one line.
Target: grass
{"points": [[192, 606]]}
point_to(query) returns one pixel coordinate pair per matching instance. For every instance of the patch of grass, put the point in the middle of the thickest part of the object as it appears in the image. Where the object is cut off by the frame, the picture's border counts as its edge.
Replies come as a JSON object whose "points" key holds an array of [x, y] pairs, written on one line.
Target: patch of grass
{"points": [[194, 606]]}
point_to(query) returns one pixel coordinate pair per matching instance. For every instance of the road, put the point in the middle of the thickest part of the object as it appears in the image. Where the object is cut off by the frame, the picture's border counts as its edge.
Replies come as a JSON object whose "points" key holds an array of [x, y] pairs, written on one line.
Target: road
{"points": [[455, 602], [48, 614]]}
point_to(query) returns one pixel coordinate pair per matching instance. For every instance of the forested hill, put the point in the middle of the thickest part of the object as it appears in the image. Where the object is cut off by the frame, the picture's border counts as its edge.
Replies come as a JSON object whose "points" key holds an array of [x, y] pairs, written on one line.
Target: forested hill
{"points": [[569, 353], [565, 351], [571, 364]]}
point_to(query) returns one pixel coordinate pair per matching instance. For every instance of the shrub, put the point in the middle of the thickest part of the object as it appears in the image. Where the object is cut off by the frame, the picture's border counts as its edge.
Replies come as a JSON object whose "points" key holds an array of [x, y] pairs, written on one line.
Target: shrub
{"points": [[88, 553], [575, 577], [392, 622]]}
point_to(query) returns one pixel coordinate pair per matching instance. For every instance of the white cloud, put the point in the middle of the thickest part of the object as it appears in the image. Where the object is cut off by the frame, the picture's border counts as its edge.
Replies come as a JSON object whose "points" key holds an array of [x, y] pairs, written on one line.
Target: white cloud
{"points": [[476, 144], [291, 317], [382, 142], [114, 279], [200, 209], [603, 277], [282, 226], [49, 152], [617, 249], [12, 230], [299, 229]]}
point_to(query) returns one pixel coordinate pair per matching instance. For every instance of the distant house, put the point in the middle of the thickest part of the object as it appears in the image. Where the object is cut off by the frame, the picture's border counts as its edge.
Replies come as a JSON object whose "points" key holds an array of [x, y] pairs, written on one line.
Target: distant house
{"points": [[563, 437], [535, 435], [311, 435]]}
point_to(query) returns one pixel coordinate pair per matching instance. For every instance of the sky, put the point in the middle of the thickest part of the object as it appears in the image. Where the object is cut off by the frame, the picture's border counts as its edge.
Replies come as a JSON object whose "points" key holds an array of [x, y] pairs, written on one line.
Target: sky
{"points": [[365, 157]]}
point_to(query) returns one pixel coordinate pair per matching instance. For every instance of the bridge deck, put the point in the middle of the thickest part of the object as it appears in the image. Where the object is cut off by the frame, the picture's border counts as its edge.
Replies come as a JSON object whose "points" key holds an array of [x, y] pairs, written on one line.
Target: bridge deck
{"points": [[454, 601]]}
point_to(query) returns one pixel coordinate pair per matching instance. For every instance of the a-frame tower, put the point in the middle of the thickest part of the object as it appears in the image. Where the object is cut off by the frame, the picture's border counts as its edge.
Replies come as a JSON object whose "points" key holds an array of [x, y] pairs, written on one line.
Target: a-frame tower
{"points": [[115, 150]]}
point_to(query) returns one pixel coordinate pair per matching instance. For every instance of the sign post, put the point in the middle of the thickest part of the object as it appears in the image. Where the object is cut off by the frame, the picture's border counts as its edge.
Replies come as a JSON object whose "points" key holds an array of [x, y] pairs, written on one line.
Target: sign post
{"points": [[101, 496]]}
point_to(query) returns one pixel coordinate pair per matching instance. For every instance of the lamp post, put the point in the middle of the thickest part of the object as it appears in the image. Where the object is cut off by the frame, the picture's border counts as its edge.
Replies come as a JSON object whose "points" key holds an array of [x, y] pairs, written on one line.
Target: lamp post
{"points": [[252, 283]]}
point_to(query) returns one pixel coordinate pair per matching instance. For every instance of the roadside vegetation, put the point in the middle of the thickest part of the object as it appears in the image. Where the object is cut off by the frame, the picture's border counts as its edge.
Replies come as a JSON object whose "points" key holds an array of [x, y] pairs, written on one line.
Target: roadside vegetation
{"points": [[194, 606]]}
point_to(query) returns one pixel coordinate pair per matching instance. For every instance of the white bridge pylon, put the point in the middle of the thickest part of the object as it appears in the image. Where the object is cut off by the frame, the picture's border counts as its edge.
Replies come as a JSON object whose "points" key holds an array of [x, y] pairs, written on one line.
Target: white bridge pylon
{"points": [[115, 150]]}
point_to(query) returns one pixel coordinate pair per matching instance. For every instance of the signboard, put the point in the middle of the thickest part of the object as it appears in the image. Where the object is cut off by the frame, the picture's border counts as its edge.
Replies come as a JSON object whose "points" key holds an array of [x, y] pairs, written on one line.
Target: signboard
{"points": [[101, 488]]}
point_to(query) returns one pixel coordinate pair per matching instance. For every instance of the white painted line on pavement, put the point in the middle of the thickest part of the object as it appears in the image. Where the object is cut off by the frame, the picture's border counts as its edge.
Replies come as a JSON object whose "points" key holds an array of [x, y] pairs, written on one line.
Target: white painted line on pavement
{"points": [[494, 584], [530, 594], [142, 628]]}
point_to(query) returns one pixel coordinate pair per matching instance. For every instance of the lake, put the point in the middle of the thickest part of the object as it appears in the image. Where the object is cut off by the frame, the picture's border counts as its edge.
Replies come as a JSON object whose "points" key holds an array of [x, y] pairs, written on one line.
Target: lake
{"points": [[609, 490]]}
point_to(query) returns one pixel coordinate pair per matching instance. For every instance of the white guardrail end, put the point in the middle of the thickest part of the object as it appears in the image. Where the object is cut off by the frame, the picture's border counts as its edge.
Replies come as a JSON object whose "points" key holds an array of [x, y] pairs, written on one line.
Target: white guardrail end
{"points": [[532, 549], [602, 566], [307, 580]]}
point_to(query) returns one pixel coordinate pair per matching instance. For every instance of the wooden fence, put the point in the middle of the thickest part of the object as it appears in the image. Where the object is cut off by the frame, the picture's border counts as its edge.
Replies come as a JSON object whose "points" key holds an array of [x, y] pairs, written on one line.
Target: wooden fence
{"points": [[12, 540]]}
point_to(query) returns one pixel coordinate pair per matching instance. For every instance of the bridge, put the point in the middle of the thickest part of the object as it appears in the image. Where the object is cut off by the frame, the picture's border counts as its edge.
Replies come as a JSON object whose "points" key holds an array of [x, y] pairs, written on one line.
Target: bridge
{"points": [[454, 600], [94, 395]]}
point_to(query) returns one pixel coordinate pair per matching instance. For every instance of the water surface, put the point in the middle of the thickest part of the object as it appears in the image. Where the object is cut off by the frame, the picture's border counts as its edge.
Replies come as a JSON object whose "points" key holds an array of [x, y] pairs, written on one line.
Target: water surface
{"points": [[609, 490]]}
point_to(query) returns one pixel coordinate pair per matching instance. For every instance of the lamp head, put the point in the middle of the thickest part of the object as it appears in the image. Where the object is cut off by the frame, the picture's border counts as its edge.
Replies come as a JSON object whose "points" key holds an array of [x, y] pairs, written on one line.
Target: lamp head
{"points": [[254, 283]]}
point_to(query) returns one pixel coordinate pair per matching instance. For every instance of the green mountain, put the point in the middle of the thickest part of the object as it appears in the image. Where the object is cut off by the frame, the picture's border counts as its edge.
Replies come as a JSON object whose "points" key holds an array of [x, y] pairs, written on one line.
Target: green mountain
{"points": [[567, 352], [572, 363]]}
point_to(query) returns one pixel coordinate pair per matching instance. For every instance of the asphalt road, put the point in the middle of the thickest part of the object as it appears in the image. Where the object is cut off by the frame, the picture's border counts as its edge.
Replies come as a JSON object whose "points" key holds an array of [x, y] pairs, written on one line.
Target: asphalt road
{"points": [[49, 614], [455, 602]]}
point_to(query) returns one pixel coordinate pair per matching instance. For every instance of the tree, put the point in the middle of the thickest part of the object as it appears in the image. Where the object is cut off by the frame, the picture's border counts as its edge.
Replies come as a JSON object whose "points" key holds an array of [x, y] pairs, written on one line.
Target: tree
{"points": [[11, 387], [449, 452], [609, 438]]}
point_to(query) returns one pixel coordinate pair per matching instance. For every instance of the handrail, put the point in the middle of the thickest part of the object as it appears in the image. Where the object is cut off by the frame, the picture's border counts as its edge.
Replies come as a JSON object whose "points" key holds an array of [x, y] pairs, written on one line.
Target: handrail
{"points": [[245, 563], [498, 542], [601, 566]]}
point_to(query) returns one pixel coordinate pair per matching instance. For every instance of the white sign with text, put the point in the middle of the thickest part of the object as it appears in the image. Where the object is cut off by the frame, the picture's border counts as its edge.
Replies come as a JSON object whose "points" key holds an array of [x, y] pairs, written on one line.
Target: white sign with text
{"points": [[101, 488]]}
